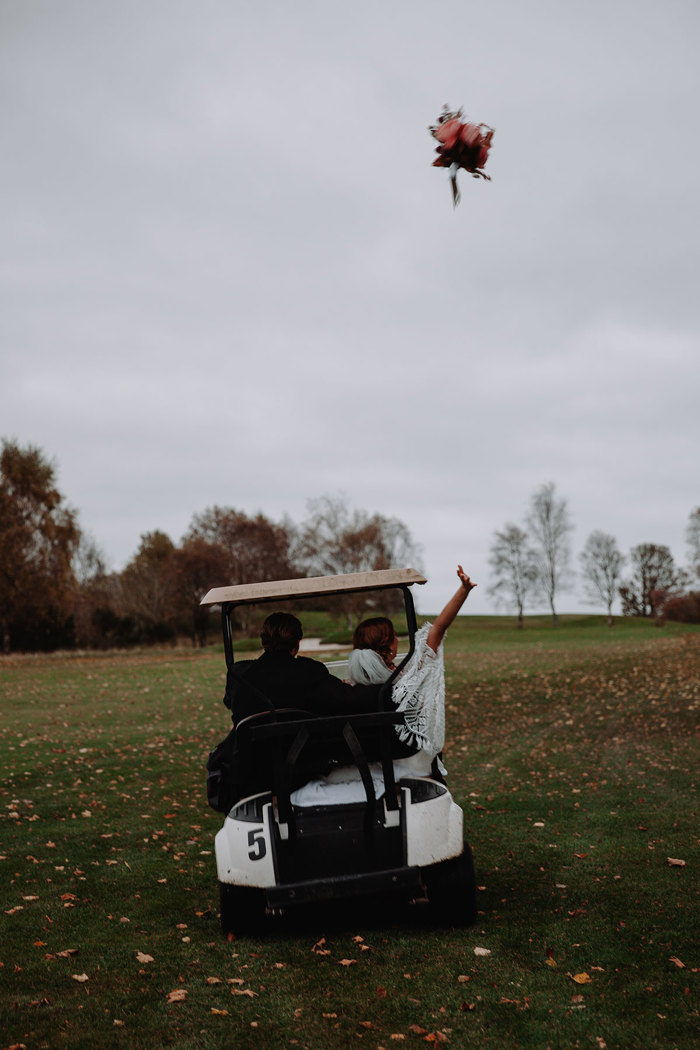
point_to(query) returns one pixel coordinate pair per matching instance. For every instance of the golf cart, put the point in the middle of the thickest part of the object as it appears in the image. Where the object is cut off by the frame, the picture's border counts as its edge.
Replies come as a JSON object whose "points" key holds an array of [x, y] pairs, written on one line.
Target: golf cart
{"points": [[276, 850]]}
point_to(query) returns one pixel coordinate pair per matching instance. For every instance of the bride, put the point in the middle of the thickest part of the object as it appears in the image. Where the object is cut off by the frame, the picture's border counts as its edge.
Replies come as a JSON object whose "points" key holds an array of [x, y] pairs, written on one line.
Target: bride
{"points": [[418, 692]]}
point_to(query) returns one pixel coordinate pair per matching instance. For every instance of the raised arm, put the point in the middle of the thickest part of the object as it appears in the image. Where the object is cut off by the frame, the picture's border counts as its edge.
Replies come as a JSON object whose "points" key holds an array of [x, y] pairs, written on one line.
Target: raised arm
{"points": [[443, 621]]}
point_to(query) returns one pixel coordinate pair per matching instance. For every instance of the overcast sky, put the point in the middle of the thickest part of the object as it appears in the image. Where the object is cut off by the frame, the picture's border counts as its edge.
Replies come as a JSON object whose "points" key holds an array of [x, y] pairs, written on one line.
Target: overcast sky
{"points": [[230, 274]]}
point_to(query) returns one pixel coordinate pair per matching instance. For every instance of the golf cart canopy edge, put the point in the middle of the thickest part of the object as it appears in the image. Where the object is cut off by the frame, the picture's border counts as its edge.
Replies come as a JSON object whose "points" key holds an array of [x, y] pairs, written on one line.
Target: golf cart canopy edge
{"points": [[312, 587]]}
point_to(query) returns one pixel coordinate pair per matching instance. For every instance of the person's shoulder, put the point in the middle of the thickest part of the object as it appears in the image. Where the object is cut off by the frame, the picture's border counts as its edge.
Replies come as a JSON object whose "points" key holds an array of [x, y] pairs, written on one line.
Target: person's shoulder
{"points": [[244, 665], [312, 666]]}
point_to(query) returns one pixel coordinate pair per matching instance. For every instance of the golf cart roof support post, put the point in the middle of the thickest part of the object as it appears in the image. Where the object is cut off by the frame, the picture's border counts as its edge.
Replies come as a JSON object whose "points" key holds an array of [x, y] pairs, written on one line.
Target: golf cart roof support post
{"points": [[412, 625], [228, 633]]}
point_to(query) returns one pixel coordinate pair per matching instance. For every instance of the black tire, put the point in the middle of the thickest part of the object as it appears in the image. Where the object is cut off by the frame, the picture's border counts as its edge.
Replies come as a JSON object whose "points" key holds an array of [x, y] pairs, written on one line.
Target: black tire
{"points": [[242, 909], [452, 890]]}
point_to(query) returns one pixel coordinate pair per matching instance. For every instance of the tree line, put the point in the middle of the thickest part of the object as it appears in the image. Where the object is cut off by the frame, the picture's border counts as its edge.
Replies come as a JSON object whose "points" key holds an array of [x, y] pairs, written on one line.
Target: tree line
{"points": [[56, 590], [532, 562]]}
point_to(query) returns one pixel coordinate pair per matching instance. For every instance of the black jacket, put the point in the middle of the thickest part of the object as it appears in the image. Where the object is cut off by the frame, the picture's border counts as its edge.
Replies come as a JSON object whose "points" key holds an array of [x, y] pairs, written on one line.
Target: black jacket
{"points": [[294, 681]]}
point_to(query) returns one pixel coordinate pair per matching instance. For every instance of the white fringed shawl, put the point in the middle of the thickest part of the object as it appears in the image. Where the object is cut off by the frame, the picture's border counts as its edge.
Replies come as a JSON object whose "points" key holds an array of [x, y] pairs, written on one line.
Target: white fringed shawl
{"points": [[418, 692]]}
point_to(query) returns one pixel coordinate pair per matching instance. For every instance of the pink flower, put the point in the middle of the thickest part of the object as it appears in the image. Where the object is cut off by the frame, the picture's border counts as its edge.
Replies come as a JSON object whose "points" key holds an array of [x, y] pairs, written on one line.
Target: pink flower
{"points": [[462, 145]]}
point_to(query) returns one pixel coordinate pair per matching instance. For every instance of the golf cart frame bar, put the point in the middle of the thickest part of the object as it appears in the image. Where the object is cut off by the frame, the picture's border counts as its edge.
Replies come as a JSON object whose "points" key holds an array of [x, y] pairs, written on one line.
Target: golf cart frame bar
{"points": [[314, 587]]}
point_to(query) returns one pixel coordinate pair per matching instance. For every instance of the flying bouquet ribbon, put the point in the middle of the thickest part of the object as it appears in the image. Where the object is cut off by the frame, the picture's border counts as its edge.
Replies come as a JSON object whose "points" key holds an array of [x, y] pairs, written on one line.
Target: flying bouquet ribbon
{"points": [[462, 145]]}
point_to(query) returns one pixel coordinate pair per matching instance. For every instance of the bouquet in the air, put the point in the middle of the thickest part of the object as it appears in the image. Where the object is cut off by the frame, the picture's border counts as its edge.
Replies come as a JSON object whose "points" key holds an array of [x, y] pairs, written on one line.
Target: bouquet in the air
{"points": [[462, 145]]}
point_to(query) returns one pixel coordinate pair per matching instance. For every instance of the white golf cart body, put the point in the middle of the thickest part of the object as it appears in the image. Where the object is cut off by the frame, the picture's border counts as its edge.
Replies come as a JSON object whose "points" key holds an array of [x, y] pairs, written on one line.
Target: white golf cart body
{"points": [[404, 837]]}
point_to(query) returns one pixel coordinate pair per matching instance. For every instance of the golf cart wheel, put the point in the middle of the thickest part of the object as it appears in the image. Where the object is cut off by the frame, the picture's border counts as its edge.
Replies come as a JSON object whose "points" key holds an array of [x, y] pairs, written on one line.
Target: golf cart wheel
{"points": [[242, 909], [452, 890]]}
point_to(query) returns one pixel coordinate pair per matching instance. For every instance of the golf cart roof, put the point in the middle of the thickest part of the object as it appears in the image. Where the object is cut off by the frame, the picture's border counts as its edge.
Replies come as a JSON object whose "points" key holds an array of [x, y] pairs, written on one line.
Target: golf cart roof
{"points": [[314, 586]]}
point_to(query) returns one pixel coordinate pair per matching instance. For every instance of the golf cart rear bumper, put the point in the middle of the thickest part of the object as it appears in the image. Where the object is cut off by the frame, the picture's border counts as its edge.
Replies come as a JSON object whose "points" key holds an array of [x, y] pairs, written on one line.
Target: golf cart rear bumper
{"points": [[340, 886]]}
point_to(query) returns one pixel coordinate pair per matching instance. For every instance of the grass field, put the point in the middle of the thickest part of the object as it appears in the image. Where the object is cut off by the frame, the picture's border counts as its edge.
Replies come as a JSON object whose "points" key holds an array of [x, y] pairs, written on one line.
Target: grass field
{"points": [[573, 753]]}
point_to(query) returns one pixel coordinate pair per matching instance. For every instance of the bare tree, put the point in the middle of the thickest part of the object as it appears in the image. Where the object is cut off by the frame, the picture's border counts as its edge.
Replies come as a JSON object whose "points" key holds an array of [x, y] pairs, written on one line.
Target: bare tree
{"points": [[334, 540], [91, 590], [514, 565], [655, 577], [549, 525], [601, 564], [692, 536]]}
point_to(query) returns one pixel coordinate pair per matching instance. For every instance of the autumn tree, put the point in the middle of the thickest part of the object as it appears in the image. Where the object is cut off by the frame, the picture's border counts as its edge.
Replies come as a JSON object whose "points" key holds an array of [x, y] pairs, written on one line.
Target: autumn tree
{"points": [[38, 537], [197, 566], [147, 586], [333, 540], [601, 564], [654, 578], [549, 526], [256, 548], [513, 563]]}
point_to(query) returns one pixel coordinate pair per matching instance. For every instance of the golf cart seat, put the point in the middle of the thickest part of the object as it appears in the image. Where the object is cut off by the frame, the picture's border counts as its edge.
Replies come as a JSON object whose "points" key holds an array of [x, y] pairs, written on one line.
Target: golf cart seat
{"points": [[281, 750]]}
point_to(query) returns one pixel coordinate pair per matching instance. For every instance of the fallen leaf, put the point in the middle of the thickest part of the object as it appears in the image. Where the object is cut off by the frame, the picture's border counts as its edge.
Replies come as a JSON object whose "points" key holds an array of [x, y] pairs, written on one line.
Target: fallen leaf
{"points": [[67, 952], [142, 958], [13, 911], [244, 991], [381, 992], [677, 962], [219, 1013], [397, 1036], [118, 1023], [482, 951], [581, 978], [416, 1029], [214, 980], [177, 995], [551, 962], [463, 978], [329, 1015], [366, 1024], [346, 962], [33, 897], [81, 977], [674, 862]]}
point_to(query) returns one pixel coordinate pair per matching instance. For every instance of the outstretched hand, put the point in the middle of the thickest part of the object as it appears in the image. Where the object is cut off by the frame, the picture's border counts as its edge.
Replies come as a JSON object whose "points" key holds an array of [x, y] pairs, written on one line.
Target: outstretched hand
{"points": [[466, 582]]}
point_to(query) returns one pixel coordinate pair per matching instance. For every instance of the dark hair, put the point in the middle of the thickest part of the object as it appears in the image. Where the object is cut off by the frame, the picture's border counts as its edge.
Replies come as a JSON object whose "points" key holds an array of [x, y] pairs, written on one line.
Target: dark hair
{"points": [[281, 632], [376, 633]]}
